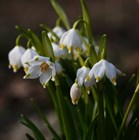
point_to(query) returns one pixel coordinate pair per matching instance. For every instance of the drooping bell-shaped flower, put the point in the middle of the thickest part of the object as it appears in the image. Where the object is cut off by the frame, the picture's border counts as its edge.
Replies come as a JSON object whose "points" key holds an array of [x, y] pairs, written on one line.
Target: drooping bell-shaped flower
{"points": [[103, 67], [14, 57], [75, 93], [82, 74], [42, 68], [58, 31], [59, 53], [28, 55], [71, 40]]}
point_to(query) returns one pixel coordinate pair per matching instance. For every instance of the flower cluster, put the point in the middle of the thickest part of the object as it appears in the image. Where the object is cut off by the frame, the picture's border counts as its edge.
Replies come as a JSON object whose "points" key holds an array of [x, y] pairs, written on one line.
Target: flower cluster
{"points": [[88, 77], [36, 66], [76, 63]]}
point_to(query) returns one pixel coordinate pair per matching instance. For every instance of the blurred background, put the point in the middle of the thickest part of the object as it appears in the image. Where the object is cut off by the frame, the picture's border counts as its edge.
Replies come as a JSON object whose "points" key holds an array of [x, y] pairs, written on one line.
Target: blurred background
{"points": [[118, 19]]}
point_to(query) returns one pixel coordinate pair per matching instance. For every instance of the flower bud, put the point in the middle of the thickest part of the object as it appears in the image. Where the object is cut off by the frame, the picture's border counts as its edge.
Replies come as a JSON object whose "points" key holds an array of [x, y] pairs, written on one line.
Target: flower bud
{"points": [[75, 93]]}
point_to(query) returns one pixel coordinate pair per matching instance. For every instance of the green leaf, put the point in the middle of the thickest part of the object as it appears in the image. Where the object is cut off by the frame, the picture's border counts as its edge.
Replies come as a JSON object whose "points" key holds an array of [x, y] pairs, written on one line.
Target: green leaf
{"points": [[130, 105], [127, 90], [23, 31], [88, 30], [47, 46], [52, 92], [111, 112], [36, 42], [87, 20], [67, 119], [44, 119], [48, 29], [29, 137], [91, 130], [38, 135], [61, 13], [137, 81]]}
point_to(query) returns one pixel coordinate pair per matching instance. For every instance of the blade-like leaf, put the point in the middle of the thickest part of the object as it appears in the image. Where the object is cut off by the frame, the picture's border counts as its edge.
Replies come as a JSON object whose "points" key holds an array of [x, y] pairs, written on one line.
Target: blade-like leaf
{"points": [[61, 13], [23, 31], [48, 29], [44, 119], [29, 137], [88, 30], [137, 81], [47, 46], [36, 42], [37, 133], [91, 130]]}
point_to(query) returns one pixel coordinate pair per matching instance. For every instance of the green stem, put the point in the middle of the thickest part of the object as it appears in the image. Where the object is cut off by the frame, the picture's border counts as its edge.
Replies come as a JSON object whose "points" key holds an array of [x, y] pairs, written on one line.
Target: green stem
{"points": [[88, 30], [101, 125], [66, 120], [29, 43], [55, 102], [18, 40], [64, 116], [132, 101], [77, 23], [81, 61], [58, 22]]}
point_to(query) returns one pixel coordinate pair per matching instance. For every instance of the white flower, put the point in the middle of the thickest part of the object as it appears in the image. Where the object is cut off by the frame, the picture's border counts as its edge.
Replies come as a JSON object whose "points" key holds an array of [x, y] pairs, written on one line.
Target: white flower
{"points": [[58, 52], [15, 57], [103, 67], [58, 67], [82, 74], [28, 55], [58, 31], [71, 40], [42, 68], [88, 83], [75, 93]]}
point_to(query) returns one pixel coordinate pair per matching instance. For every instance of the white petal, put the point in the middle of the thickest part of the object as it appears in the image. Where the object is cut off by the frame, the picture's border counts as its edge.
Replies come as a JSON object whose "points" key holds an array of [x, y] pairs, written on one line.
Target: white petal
{"points": [[81, 75], [99, 70], [53, 68], [15, 56], [63, 38], [89, 83], [58, 31], [56, 50], [33, 72], [79, 72], [38, 60], [45, 77], [75, 93], [73, 39], [58, 67], [111, 72], [28, 55]]}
